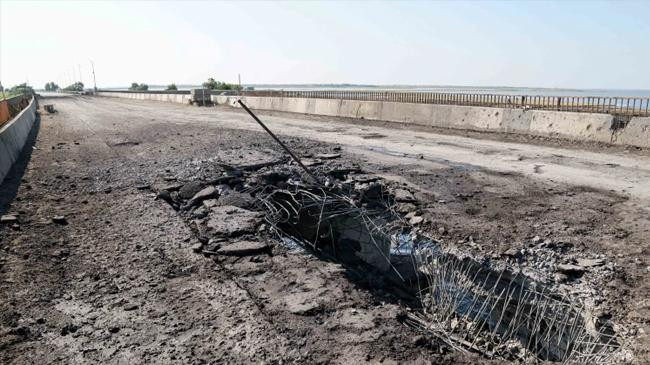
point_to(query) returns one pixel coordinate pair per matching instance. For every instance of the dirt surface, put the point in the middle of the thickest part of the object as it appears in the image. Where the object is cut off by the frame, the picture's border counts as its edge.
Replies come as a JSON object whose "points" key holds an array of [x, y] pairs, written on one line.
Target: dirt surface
{"points": [[116, 278]]}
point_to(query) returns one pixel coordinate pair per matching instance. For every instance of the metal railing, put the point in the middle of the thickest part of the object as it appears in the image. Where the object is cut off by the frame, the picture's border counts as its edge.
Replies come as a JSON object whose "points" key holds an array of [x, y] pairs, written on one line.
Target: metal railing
{"points": [[619, 106]]}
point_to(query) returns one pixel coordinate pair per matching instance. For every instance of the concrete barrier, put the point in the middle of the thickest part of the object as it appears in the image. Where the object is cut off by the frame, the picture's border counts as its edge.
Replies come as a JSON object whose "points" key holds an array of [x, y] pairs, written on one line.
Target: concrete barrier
{"points": [[635, 133], [13, 136], [167, 97], [568, 125], [558, 124], [578, 126]]}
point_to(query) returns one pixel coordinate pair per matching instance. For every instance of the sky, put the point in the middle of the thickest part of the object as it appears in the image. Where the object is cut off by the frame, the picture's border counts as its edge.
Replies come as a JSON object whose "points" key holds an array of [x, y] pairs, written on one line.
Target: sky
{"points": [[587, 45]]}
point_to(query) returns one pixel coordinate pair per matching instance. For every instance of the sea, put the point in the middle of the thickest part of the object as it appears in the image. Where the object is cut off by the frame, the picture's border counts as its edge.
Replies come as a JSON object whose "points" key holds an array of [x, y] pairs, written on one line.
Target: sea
{"points": [[499, 90]]}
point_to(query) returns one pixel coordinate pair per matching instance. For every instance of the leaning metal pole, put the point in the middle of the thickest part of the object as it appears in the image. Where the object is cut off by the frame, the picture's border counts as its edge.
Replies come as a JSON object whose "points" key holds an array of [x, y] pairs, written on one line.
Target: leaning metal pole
{"points": [[295, 158]]}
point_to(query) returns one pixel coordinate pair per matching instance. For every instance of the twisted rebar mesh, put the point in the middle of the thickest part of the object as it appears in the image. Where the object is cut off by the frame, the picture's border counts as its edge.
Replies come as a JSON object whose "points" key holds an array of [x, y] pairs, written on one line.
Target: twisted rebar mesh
{"points": [[465, 304], [474, 308]]}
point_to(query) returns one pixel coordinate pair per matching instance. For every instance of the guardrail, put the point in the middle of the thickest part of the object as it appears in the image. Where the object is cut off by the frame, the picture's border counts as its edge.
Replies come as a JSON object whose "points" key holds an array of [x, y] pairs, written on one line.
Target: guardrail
{"points": [[12, 106], [619, 106]]}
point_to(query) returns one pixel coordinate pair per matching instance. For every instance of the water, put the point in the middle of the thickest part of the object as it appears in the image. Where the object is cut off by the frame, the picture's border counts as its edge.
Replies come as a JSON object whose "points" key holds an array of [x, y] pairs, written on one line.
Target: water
{"points": [[500, 90], [405, 244]]}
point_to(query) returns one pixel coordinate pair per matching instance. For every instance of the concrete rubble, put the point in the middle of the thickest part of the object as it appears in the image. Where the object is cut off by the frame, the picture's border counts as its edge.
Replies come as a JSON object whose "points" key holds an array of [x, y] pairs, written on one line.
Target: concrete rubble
{"points": [[242, 217]]}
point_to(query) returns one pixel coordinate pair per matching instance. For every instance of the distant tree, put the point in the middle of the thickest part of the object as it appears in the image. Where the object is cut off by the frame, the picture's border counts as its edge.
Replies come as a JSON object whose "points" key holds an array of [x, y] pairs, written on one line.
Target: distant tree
{"points": [[51, 86], [172, 86], [219, 85], [138, 87], [77, 86], [21, 89]]}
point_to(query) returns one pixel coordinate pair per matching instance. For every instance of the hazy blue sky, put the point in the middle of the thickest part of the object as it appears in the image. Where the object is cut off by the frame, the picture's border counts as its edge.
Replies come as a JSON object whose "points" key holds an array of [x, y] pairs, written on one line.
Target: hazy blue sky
{"points": [[539, 44]]}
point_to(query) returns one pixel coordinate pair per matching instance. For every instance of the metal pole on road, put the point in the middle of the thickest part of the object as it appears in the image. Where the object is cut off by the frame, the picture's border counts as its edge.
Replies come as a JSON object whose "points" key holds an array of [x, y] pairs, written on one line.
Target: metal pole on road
{"points": [[295, 158]]}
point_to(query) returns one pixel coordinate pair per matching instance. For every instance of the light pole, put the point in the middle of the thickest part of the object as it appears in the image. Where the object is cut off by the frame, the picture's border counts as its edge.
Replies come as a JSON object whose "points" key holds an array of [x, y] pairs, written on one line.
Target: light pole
{"points": [[93, 68]]}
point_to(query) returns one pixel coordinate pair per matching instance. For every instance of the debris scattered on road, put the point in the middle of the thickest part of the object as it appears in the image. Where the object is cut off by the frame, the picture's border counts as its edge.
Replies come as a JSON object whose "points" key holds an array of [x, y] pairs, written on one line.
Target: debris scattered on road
{"points": [[8, 218], [586, 263], [130, 307], [143, 186], [569, 269], [327, 156], [244, 248], [363, 221], [231, 221], [60, 219], [402, 195], [190, 189], [206, 193], [197, 247]]}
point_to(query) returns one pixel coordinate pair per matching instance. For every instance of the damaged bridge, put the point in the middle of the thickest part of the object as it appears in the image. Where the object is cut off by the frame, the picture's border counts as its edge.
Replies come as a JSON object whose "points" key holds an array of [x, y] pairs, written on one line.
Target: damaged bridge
{"points": [[144, 232]]}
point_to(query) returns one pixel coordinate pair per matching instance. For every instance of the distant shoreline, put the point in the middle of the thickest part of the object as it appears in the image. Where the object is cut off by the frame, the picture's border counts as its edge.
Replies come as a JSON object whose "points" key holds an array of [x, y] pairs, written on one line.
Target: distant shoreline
{"points": [[503, 90]]}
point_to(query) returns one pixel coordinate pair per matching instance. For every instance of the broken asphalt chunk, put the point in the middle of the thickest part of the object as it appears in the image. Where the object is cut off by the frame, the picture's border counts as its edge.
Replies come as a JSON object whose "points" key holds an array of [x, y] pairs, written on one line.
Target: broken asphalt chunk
{"points": [[244, 248], [8, 218], [190, 189], [571, 270], [229, 220], [311, 162], [416, 220], [402, 195], [209, 192], [590, 262], [197, 247], [328, 156], [172, 187], [164, 195], [60, 219]]}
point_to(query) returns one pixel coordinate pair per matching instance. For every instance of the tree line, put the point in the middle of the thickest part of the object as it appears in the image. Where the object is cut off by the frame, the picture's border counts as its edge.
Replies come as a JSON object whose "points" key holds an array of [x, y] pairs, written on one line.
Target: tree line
{"points": [[211, 84], [52, 86]]}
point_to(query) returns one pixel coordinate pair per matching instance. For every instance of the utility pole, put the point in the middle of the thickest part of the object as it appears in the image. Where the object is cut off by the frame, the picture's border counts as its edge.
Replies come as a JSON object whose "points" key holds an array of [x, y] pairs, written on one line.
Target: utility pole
{"points": [[239, 78], [80, 78], [93, 67]]}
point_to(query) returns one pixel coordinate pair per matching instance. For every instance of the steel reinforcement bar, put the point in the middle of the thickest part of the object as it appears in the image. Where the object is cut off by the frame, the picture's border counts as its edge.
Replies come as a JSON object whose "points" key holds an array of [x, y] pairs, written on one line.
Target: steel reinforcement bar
{"points": [[620, 106]]}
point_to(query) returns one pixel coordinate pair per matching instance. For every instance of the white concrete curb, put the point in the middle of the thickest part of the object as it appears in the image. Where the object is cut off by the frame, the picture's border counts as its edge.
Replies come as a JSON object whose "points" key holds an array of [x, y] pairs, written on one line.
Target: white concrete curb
{"points": [[13, 136]]}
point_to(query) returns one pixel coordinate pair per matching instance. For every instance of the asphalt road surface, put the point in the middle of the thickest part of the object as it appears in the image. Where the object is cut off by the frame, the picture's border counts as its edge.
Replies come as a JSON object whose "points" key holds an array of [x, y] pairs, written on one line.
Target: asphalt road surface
{"points": [[119, 283]]}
